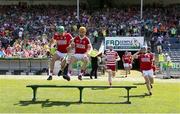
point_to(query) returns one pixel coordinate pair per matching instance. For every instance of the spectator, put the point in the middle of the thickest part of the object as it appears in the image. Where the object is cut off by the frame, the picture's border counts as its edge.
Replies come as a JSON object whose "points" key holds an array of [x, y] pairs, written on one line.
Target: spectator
{"points": [[173, 31], [152, 44], [161, 60], [168, 66], [34, 21], [2, 53], [159, 44]]}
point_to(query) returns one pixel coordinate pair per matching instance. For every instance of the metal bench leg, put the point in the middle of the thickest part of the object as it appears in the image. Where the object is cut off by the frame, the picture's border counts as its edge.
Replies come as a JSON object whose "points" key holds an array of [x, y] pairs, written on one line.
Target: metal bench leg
{"points": [[80, 97], [128, 102], [34, 93]]}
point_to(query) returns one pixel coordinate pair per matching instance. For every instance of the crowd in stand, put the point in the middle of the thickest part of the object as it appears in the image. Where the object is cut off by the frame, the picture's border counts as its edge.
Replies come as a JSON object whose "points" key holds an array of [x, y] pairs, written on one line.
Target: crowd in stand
{"points": [[25, 30]]}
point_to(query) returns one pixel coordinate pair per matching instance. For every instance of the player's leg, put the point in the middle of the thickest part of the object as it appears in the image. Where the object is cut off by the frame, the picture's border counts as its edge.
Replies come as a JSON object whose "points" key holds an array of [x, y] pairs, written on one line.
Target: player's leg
{"points": [[109, 76], [63, 65], [52, 62], [84, 60], [126, 71], [148, 83], [151, 77], [113, 70], [113, 74], [130, 67], [126, 68], [69, 61], [63, 57]]}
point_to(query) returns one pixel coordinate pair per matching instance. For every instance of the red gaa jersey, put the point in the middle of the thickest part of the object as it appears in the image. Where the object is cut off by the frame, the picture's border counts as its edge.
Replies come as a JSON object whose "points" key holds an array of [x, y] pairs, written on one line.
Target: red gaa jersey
{"points": [[127, 59], [81, 45], [145, 61], [62, 41]]}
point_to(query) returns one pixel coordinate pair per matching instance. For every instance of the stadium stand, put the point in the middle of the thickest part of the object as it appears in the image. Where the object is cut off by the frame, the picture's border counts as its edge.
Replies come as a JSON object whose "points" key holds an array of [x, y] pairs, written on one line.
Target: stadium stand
{"points": [[25, 31]]}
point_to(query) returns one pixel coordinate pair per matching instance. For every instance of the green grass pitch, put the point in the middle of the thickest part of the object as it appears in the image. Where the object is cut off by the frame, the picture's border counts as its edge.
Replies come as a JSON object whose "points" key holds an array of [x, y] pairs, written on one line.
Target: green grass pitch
{"points": [[16, 98]]}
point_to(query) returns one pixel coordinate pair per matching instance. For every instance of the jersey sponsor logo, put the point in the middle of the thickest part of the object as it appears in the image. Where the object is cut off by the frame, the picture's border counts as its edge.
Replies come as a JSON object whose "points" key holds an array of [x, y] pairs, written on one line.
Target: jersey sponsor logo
{"points": [[80, 46], [110, 58], [61, 42], [145, 59], [126, 58], [63, 37], [77, 41]]}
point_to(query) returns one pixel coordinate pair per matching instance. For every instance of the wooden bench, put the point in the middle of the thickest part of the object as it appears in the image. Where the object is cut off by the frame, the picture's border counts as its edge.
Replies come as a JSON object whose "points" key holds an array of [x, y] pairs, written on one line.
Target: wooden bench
{"points": [[34, 88]]}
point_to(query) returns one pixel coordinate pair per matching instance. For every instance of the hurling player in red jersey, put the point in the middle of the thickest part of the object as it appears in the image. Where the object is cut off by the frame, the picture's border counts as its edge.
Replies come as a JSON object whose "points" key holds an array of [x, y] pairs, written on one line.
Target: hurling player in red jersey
{"points": [[63, 40], [82, 46], [146, 61], [127, 62], [111, 57]]}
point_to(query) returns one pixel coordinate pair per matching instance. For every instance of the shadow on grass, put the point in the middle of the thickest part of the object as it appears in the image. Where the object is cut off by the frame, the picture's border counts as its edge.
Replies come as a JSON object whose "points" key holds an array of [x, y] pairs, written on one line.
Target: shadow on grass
{"points": [[105, 103], [48, 103], [99, 88], [138, 83], [139, 96], [86, 78]]}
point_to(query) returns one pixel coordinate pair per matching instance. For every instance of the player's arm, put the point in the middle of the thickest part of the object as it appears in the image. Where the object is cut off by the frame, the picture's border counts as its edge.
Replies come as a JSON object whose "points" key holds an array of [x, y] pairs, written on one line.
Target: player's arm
{"points": [[71, 45], [89, 48], [135, 56], [104, 56], [117, 57], [123, 59], [153, 59], [52, 42], [132, 59]]}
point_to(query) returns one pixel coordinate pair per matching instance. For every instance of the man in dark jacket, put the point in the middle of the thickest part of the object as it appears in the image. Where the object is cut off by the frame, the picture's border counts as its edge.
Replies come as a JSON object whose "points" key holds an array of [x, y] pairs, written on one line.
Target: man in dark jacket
{"points": [[94, 64]]}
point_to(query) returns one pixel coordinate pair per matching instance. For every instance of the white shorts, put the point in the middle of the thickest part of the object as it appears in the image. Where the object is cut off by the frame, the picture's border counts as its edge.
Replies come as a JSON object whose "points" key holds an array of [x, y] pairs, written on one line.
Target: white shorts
{"points": [[81, 56], [61, 55], [148, 72], [127, 65]]}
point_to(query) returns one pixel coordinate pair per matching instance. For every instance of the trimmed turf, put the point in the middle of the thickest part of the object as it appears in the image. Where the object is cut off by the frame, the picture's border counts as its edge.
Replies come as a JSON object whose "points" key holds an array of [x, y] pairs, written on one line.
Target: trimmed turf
{"points": [[16, 98]]}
